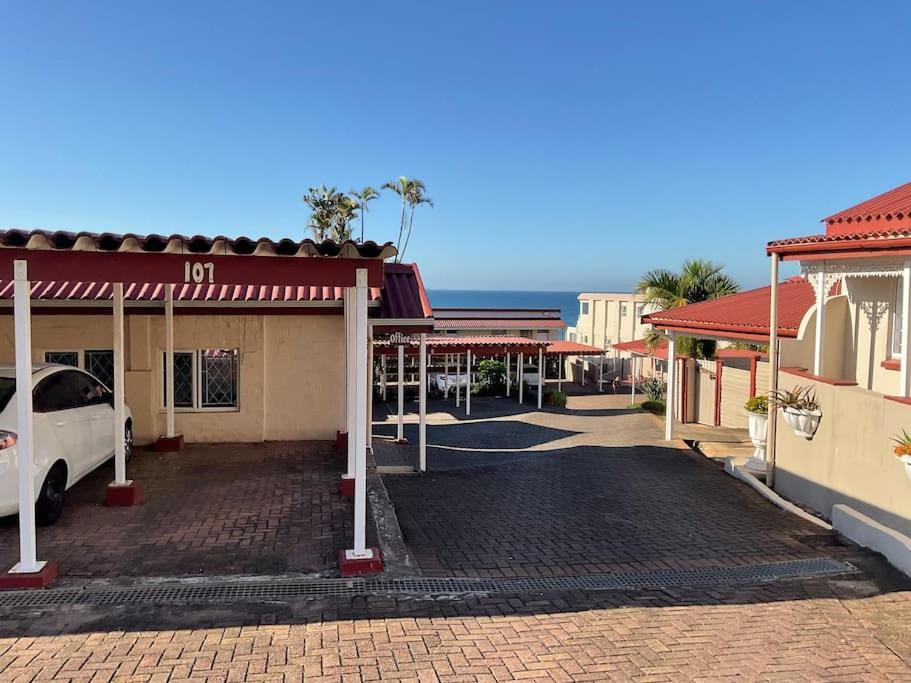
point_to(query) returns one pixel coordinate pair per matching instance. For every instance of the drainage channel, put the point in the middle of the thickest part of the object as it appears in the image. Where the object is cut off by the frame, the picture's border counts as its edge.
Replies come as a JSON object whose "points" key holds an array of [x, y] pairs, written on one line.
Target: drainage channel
{"points": [[290, 589]]}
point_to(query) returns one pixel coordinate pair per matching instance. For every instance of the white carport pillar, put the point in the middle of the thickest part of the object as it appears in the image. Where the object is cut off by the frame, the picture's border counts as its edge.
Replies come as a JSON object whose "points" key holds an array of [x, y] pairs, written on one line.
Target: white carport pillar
{"points": [[632, 373], [120, 462], [458, 376], [22, 312], [360, 421], [400, 427], [350, 377], [772, 422], [422, 405], [560, 360], [508, 361], [906, 330], [820, 318], [468, 382], [170, 428], [520, 374], [540, 378], [671, 403]]}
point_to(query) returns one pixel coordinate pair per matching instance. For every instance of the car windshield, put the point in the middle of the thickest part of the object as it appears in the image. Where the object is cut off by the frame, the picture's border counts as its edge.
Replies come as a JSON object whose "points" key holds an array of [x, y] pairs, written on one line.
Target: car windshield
{"points": [[7, 389]]}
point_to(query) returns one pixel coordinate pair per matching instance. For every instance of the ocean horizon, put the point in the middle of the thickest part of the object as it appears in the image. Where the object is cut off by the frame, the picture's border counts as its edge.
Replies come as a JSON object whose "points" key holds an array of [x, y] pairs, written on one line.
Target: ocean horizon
{"points": [[567, 302]]}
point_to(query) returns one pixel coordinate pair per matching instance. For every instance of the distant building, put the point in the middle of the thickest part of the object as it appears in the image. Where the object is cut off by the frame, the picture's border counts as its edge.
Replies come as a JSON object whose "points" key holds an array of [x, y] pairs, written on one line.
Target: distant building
{"points": [[532, 323], [607, 318]]}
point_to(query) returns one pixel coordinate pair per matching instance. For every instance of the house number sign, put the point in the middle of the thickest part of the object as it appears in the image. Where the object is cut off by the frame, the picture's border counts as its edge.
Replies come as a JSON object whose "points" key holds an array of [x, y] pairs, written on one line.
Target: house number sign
{"points": [[199, 272]]}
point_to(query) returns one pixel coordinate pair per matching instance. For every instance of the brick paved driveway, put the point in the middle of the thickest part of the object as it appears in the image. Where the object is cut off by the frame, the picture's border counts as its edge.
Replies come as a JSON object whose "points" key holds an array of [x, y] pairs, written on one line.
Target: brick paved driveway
{"points": [[601, 493], [597, 492], [219, 509]]}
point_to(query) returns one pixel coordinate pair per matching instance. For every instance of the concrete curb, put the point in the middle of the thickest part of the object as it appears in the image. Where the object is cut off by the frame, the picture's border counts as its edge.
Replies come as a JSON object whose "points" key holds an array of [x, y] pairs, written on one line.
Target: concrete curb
{"points": [[397, 557], [867, 532], [741, 473]]}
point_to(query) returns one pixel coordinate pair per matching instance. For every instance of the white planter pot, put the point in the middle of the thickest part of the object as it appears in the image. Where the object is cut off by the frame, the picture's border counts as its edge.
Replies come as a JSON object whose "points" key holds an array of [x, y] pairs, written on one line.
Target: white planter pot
{"points": [[803, 422], [758, 438], [906, 461]]}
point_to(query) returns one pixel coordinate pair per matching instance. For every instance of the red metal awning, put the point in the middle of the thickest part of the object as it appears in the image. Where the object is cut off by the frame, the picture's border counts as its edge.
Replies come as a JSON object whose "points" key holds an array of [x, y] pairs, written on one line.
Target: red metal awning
{"points": [[571, 348], [480, 345]]}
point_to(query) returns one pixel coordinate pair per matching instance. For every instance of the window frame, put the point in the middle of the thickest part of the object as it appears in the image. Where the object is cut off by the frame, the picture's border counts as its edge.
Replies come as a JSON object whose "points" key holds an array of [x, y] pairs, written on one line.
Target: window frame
{"points": [[197, 388], [584, 307], [895, 335]]}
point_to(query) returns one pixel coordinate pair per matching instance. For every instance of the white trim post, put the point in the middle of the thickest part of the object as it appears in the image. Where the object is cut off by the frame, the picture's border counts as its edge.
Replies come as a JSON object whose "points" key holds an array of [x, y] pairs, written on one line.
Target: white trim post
{"points": [[772, 423], [601, 373], [561, 360], [445, 376], [360, 422], [508, 361], [350, 378], [422, 405], [540, 378], [632, 373], [170, 428], [120, 460], [371, 376], [400, 426], [820, 319], [520, 373], [906, 331], [458, 376], [25, 445], [468, 382], [671, 403], [383, 376]]}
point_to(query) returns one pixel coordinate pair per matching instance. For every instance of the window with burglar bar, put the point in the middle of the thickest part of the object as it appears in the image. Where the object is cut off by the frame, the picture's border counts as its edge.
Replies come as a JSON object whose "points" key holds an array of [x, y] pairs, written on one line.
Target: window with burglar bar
{"points": [[99, 362], [204, 379]]}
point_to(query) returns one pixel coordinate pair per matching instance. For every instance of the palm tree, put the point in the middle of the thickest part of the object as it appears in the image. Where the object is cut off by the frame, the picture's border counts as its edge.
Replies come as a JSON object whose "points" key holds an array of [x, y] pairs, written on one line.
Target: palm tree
{"points": [[402, 187], [698, 280], [363, 197], [331, 213], [416, 197]]}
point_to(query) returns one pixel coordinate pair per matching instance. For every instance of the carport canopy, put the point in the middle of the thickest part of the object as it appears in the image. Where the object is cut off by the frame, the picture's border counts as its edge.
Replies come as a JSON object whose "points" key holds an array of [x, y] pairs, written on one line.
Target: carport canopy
{"points": [[27, 256]]}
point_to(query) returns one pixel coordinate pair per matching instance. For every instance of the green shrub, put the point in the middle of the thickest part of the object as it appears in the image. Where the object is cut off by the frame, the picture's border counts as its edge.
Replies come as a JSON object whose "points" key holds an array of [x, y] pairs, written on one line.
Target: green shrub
{"points": [[758, 405], [491, 378], [654, 389], [657, 407], [556, 398]]}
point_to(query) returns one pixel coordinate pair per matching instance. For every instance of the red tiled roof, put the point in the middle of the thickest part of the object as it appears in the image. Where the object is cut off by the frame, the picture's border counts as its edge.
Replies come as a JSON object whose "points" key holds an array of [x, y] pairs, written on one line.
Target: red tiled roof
{"points": [[498, 324], [866, 242], [639, 347], [878, 213], [744, 315], [571, 347], [182, 244], [485, 340]]}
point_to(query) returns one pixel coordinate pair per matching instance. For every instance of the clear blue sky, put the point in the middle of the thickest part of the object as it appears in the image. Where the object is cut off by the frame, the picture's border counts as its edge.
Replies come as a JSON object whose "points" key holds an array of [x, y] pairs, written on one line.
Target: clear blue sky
{"points": [[567, 145]]}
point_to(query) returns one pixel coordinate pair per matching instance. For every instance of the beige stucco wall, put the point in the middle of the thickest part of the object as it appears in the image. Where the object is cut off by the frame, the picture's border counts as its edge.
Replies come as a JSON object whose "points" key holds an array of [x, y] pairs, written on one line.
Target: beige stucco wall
{"points": [[850, 459], [872, 303], [290, 381]]}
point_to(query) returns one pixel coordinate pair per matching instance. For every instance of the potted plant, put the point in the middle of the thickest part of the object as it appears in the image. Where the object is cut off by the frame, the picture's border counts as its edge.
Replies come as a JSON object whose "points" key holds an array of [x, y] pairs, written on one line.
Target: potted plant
{"points": [[801, 410], [758, 411], [903, 450]]}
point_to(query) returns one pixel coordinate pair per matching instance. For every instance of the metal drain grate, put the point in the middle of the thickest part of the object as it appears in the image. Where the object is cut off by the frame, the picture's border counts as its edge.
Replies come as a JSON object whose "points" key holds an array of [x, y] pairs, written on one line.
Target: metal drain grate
{"points": [[288, 589]]}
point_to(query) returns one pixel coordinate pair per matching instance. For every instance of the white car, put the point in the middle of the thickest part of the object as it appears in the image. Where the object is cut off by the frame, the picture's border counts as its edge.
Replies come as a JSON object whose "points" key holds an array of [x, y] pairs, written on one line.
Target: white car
{"points": [[73, 433]]}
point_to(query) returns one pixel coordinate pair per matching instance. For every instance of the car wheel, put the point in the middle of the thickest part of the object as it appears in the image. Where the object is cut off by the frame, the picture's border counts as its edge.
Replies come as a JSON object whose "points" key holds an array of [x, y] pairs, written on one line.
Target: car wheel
{"points": [[128, 441], [50, 499]]}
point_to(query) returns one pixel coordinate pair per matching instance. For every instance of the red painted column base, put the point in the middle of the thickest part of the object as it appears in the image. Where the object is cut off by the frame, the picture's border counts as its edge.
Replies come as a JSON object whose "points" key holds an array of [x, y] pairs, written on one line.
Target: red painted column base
{"points": [[341, 442], [359, 566], [346, 486], [169, 444], [123, 495], [40, 579]]}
